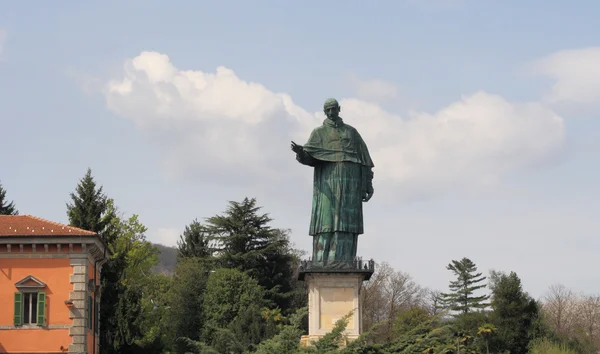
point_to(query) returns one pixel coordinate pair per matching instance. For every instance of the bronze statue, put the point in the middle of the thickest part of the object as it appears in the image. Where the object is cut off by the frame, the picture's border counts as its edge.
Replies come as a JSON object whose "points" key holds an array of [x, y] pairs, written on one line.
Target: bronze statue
{"points": [[343, 180]]}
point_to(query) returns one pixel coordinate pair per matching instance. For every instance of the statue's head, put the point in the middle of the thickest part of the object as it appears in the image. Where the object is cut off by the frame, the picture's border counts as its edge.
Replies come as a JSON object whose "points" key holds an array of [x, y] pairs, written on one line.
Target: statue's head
{"points": [[332, 108]]}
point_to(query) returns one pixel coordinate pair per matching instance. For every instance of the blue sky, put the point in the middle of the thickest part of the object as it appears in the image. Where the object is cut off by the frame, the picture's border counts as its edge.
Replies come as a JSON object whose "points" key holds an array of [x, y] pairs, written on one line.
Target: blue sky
{"points": [[481, 118]]}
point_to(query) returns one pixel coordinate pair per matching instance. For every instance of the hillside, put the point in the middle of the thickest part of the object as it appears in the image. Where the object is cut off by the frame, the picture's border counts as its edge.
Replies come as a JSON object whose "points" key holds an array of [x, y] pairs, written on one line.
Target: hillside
{"points": [[167, 259]]}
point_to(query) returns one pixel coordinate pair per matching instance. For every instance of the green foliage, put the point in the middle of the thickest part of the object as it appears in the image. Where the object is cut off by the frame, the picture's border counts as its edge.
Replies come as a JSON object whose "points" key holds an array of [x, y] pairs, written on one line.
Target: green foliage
{"points": [[514, 314], [410, 319], [128, 281], [90, 209], [128, 321], [6, 208], [332, 341], [288, 338], [185, 301], [429, 335], [461, 296], [194, 242], [229, 296], [245, 241], [233, 290], [546, 346]]}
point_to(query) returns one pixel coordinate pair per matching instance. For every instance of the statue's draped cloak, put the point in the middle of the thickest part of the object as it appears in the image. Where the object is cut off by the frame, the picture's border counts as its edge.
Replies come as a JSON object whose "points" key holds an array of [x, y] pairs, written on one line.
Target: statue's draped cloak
{"points": [[342, 175]]}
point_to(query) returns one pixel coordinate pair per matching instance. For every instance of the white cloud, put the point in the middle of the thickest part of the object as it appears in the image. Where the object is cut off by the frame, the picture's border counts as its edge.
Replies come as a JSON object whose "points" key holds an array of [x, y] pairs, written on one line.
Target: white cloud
{"points": [[217, 124], [478, 139], [165, 236], [373, 89], [576, 74], [3, 37]]}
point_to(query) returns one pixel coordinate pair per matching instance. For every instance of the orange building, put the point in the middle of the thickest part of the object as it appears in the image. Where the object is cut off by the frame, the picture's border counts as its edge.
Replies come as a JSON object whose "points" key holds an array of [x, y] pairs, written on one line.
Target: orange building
{"points": [[49, 286]]}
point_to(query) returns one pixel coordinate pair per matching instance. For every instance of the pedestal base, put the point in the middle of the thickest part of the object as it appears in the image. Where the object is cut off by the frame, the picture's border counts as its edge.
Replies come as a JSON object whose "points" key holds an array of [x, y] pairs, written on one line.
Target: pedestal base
{"points": [[331, 296], [306, 341]]}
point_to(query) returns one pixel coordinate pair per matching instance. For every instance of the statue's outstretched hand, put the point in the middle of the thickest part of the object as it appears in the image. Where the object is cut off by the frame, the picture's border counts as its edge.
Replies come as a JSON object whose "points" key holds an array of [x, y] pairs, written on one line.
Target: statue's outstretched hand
{"points": [[368, 196], [296, 148]]}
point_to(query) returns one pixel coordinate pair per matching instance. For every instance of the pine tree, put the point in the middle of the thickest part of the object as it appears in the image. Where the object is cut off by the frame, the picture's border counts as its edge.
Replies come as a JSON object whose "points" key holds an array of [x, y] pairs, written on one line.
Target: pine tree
{"points": [[6, 208], [90, 208], [461, 297], [193, 242], [245, 241]]}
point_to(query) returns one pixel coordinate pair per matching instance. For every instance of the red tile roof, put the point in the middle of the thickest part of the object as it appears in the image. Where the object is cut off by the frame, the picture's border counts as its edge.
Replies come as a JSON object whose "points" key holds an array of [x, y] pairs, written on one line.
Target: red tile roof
{"points": [[27, 225]]}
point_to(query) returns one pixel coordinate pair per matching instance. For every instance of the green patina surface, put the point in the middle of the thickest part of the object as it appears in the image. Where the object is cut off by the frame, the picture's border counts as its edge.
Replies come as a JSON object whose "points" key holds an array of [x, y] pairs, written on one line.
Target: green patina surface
{"points": [[342, 182]]}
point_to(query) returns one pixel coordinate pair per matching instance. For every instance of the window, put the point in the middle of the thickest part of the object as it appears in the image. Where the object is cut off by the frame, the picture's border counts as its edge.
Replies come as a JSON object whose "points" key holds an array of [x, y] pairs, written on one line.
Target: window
{"points": [[30, 308]]}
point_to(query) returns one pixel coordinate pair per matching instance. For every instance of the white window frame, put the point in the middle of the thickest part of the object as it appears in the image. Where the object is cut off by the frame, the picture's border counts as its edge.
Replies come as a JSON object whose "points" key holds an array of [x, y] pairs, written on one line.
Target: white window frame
{"points": [[31, 306]]}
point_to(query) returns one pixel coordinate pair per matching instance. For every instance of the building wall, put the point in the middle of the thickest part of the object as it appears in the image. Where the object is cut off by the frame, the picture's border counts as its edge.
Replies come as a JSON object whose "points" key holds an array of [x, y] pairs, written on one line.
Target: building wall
{"points": [[54, 272], [90, 332]]}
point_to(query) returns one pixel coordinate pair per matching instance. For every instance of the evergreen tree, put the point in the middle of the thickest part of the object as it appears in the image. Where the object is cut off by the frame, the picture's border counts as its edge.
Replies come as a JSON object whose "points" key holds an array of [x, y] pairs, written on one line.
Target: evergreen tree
{"points": [[245, 241], [514, 314], [121, 309], [193, 242], [185, 315], [90, 208], [6, 208], [462, 298]]}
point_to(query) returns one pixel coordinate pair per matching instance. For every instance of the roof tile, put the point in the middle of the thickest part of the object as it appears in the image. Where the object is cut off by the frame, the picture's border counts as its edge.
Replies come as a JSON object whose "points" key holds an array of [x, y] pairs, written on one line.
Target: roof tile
{"points": [[28, 225]]}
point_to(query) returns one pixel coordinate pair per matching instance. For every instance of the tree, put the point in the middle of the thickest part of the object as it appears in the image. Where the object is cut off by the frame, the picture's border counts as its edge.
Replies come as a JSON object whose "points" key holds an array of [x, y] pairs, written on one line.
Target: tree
{"points": [[462, 298], [185, 302], [124, 277], [514, 314], [233, 304], [374, 296], [288, 338], [194, 242], [126, 317], [89, 209], [588, 314], [434, 301], [244, 240], [559, 309], [6, 208]]}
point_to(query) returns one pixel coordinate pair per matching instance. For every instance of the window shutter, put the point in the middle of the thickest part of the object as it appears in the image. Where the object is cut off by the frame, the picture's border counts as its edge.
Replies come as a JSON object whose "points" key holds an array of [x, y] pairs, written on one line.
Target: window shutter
{"points": [[18, 309], [97, 316], [90, 311], [41, 309]]}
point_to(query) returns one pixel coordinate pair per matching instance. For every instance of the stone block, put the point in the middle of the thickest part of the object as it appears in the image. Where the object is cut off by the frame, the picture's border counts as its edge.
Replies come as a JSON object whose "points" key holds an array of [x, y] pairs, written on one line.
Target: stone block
{"points": [[79, 269], [76, 313], [76, 348], [78, 295], [79, 322], [78, 278], [78, 340], [79, 286], [77, 331], [78, 260]]}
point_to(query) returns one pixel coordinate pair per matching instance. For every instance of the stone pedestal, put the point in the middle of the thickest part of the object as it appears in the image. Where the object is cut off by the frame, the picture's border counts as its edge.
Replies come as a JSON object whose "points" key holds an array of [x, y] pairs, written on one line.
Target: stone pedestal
{"points": [[333, 294]]}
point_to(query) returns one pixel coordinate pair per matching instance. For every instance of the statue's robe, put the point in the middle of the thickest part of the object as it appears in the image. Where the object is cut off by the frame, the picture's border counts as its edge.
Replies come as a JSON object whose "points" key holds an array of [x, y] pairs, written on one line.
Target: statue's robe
{"points": [[342, 176]]}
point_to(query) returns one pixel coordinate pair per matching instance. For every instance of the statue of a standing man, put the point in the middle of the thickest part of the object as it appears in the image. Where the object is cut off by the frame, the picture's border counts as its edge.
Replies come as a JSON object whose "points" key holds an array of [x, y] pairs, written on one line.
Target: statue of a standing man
{"points": [[343, 180]]}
